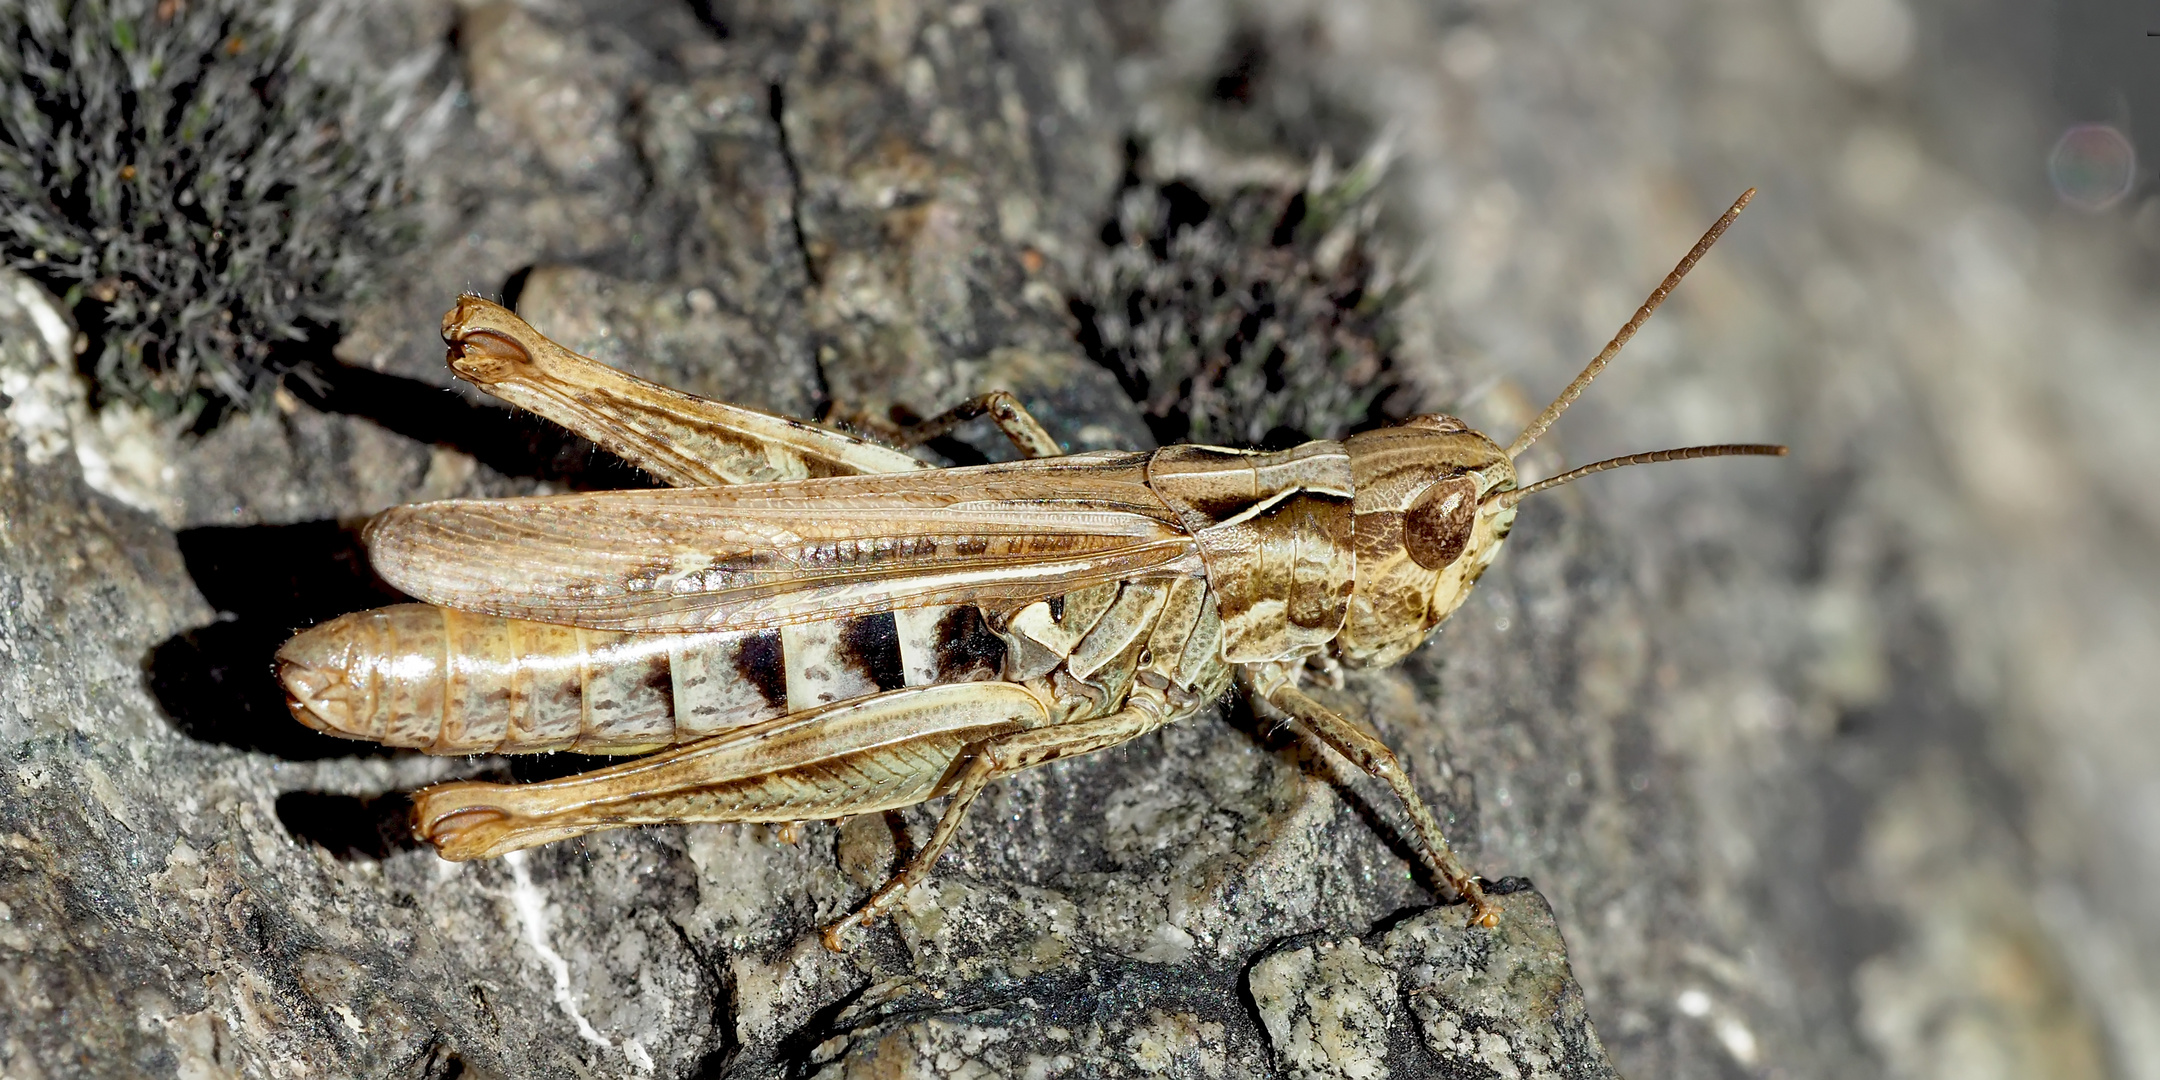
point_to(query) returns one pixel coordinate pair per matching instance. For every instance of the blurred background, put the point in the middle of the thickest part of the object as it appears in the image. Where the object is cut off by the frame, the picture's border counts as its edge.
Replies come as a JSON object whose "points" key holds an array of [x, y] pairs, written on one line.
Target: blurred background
{"points": [[1915, 695], [1842, 765], [1938, 817]]}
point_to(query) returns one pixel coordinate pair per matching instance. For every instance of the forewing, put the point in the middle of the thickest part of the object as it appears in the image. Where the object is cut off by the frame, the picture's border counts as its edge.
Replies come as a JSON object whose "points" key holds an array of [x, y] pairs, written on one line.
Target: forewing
{"points": [[761, 556]]}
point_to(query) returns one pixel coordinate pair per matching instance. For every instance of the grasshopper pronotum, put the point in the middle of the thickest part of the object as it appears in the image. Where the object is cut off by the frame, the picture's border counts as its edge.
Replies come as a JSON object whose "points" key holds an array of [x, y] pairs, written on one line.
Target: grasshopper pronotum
{"points": [[809, 625]]}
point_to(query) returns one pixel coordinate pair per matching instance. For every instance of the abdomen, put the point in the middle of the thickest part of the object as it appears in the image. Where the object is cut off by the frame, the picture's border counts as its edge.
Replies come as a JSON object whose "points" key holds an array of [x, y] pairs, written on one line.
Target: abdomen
{"points": [[452, 682]]}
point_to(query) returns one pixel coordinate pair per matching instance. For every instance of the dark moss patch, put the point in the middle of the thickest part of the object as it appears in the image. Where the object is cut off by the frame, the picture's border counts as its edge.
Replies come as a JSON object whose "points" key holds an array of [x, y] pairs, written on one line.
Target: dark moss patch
{"points": [[196, 193], [1257, 316]]}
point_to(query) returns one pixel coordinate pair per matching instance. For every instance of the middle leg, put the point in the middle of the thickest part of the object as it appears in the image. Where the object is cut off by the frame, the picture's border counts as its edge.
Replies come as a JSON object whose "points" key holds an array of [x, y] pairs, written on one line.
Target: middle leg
{"points": [[990, 759], [1019, 425]]}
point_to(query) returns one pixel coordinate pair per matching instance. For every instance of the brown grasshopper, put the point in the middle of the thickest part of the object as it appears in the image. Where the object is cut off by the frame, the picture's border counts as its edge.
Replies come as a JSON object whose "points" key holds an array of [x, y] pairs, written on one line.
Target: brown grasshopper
{"points": [[809, 625]]}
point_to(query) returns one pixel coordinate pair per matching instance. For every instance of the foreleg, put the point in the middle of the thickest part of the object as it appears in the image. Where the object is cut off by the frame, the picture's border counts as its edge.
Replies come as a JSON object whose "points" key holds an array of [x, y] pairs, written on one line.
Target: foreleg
{"points": [[1368, 753]]}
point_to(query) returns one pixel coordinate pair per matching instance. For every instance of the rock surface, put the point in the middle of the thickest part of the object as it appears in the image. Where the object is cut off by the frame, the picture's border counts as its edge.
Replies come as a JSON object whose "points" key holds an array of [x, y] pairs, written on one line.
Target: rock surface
{"points": [[1785, 747], [1478, 1003]]}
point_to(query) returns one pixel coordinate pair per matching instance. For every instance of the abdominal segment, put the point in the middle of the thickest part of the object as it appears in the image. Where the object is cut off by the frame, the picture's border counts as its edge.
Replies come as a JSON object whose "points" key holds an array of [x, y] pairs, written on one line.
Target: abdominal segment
{"points": [[453, 682]]}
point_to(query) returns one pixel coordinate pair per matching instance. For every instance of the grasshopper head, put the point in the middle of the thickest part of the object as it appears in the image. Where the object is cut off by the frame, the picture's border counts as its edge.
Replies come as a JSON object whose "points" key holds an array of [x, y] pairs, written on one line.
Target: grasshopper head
{"points": [[1435, 499], [1430, 516]]}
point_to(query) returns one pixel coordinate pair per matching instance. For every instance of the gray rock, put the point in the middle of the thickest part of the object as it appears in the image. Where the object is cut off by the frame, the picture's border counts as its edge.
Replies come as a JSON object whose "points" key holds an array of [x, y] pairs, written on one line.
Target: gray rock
{"points": [[1504, 999], [1327, 1008], [1480, 1002], [1785, 747]]}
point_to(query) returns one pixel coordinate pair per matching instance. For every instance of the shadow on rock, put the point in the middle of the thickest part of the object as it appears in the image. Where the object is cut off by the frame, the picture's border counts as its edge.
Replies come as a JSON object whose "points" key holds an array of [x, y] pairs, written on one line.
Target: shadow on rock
{"points": [[1390, 827], [362, 827], [268, 581], [350, 826], [511, 443], [218, 682]]}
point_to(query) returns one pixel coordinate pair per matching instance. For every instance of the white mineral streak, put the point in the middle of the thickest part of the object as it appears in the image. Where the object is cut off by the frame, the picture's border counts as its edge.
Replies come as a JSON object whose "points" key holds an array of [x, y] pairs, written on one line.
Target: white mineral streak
{"points": [[124, 451], [202, 1046], [531, 906], [45, 395]]}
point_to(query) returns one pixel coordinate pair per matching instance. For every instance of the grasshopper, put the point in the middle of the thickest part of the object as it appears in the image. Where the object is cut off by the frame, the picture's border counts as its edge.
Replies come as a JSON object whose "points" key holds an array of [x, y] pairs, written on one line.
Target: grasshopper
{"points": [[810, 625]]}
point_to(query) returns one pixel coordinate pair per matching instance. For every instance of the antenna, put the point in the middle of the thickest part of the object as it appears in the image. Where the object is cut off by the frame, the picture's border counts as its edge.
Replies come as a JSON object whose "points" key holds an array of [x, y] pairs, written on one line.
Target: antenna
{"points": [[1612, 348], [1510, 498]]}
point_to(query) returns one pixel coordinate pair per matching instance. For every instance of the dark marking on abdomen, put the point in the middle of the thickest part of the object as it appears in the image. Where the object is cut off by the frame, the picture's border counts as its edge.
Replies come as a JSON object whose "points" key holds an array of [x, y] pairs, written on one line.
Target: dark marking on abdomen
{"points": [[871, 645], [660, 679], [966, 649], [760, 663]]}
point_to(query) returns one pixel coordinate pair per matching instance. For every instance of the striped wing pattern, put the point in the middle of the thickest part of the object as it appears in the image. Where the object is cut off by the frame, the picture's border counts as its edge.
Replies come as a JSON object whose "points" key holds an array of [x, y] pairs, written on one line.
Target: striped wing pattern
{"points": [[771, 555]]}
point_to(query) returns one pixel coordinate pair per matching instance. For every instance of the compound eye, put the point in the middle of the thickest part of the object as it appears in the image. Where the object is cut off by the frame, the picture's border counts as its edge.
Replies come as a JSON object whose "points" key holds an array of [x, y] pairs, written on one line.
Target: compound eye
{"points": [[1437, 527]]}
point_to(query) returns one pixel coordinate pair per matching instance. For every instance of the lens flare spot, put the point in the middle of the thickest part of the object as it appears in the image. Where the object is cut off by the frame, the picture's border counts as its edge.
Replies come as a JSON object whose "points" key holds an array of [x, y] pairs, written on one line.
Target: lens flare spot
{"points": [[2092, 166]]}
